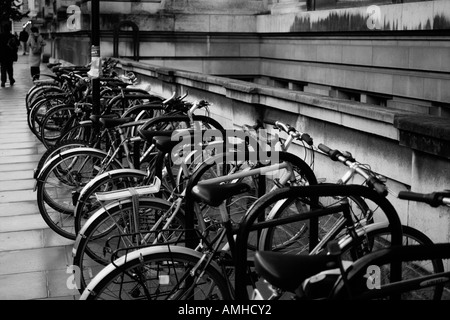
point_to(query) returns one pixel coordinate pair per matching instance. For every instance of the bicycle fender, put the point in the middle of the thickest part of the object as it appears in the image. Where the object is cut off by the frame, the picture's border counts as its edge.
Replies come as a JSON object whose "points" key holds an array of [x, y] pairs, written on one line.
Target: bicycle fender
{"points": [[57, 158], [101, 211], [136, 255], [110, 174]]}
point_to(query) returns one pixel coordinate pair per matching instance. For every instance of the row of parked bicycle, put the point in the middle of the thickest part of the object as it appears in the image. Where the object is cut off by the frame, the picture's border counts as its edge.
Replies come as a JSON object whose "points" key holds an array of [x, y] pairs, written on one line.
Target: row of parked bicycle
{"points": [[166, 204]]}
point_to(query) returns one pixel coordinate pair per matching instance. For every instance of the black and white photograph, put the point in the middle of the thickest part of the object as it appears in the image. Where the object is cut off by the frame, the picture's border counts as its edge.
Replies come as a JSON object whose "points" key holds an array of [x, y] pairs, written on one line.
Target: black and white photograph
{"points": [[232, 158]]}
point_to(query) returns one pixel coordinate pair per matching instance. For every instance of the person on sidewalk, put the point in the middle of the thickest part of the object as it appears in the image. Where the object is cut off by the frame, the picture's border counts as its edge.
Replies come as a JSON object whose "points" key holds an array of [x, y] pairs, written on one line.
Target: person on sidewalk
{"points": [[23, 37], [35, 43], [9, 46]]}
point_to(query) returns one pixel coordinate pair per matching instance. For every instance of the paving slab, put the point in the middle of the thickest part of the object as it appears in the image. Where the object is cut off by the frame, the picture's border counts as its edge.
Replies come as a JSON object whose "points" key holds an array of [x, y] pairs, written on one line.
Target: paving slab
{"points": [[16, 175], [29, 260], [21, 223], [21, 286], [17, 196], [24, 184], [7, 167], [18, 209]]}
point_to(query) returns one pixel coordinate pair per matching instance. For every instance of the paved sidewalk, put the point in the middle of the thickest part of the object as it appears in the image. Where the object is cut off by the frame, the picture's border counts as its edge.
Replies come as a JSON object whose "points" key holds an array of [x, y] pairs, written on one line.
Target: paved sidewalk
{"points": [[33, 258]]}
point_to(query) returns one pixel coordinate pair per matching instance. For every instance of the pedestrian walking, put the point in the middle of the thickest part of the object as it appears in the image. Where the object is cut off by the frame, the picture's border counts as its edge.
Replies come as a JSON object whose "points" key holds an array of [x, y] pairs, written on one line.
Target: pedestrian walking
{"points": [[9, 46], [35, 43], [23, 37]]}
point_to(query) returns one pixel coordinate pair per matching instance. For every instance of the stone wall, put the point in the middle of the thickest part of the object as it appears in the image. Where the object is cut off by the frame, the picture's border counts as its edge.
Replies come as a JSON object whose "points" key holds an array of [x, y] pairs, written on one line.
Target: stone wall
{"points": [[401, 71], [401, 63]]}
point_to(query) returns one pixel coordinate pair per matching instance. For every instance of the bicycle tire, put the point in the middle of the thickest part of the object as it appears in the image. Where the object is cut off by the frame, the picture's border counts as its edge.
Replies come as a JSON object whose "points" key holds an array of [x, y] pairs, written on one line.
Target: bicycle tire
{"points": [[86, 203], [90, 251], [378, 239], [57, 149], [293, 238], [38, 112], [62, 175], [304, 175], [39, 92], [83, 131], [54, 122], [102, 286]]}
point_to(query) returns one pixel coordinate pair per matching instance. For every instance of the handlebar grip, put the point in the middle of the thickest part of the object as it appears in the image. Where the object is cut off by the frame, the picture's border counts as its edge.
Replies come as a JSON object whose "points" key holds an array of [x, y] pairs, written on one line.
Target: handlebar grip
{"points": [[333, 154], [433, 199], [378, 186], [324, 148]]}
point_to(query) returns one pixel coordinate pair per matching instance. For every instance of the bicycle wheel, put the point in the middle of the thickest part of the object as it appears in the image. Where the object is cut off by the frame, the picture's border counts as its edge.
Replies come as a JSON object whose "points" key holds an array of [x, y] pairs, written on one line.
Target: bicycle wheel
{"points": [[380, 238], [58, 149], [38, 112], [38, 92], [158, 273], [55, 121], [63, 175], [120, 103], [109, 231], [294, 237], [85, 131], [231, 163], [85, 201]]}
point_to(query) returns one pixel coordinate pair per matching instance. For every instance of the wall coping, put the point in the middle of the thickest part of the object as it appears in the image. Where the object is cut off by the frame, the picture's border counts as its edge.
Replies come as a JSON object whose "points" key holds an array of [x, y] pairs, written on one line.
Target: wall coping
{"points": [[390, 123], [424, 133]]}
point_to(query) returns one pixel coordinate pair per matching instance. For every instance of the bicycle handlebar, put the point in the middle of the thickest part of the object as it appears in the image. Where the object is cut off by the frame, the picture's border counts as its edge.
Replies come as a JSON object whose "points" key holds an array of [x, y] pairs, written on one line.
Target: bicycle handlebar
{"points": [[347, 159], [197, 105], [291, 131], [434, 199], [169, 99]]}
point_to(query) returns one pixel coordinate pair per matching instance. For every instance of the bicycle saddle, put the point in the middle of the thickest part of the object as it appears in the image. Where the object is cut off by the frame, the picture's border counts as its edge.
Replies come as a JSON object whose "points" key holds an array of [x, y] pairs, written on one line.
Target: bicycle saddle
{"points": [[214, 194], [165, 143], [288, 271]]}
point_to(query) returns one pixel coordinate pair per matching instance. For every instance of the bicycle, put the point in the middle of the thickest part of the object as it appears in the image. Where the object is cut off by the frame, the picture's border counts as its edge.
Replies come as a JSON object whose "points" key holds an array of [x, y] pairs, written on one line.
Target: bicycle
{"points": [[365, 279], [184, 269], [363, 235]]}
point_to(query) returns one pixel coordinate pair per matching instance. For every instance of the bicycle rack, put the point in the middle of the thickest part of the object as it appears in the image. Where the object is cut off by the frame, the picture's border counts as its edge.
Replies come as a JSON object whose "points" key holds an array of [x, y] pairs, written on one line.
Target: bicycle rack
{"points": [[117, 30]]}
